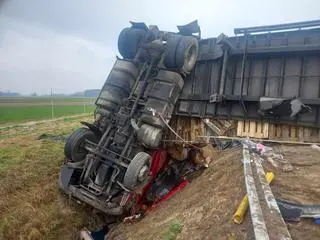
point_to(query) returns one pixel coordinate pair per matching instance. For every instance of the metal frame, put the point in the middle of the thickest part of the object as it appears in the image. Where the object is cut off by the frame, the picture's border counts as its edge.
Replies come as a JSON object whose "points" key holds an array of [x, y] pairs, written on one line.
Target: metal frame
{"points": [[278, 65], [277, 27]]}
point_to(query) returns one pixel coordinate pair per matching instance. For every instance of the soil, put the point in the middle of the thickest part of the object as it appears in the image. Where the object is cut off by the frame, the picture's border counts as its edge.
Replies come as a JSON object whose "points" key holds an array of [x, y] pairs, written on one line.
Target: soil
{"points": [[205, 207], [31, 207], [301, 185]]}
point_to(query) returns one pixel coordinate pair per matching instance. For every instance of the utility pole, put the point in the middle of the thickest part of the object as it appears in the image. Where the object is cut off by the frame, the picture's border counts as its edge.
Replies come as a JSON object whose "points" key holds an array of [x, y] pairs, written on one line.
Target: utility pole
{"points": [[84, 102], [52, 113]]}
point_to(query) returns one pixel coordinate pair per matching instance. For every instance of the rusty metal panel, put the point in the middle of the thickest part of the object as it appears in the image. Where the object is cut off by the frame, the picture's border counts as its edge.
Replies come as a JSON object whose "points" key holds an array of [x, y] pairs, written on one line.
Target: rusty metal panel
{"points": [[281, 64]]}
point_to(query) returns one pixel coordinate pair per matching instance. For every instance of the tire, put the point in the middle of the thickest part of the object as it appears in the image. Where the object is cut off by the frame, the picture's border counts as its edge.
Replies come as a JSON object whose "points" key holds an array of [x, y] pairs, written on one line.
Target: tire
{"points": [[74, 147], [172, 44], [187, 53], [131, 178], [129, 42]]}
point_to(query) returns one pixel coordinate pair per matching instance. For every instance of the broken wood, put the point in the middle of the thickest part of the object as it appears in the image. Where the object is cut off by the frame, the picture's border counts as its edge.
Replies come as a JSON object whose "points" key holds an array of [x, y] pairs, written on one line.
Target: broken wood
{"points": [[253, 129], [262, 140], [274, 131]]}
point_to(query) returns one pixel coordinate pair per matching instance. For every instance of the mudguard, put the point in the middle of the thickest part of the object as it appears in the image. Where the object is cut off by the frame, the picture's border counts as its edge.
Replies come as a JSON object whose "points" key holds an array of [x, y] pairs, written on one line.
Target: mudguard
{"points": [[65, 177]]}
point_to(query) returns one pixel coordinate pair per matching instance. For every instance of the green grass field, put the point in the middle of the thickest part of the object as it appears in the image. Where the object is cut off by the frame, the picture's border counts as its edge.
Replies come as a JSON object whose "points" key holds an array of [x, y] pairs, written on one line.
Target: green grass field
{"points": [[37, 108]]}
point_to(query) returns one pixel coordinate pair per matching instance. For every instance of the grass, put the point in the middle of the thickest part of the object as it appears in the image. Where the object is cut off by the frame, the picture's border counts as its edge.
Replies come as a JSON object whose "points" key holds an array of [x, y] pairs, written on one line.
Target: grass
{"points": [[174, 229], [31, 205], [39, 112], [20, 109], [45, 99], [9, 153]]}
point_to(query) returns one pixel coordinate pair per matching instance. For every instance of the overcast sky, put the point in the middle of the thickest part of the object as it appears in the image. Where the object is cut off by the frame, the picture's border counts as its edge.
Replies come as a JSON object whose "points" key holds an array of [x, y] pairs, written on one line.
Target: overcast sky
{"points": [[70, 45]]}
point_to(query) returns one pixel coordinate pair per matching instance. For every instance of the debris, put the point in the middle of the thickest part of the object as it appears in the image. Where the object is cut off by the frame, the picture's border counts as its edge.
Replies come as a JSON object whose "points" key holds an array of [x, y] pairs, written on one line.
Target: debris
{"points": [[316, 147], [282, 107], [132, 218], [264, 140], [267, 152], [52, 137], [293, 212], [243, 206], [263, 150], [287, 167], [216, 131], [231, 236], [96, 235], [203, 156], [178, 152], [170, 194]]}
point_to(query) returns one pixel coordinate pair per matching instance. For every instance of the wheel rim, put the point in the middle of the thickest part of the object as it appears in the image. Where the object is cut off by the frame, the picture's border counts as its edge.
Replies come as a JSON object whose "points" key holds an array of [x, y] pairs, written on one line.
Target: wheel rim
{"points": [[191, 57], [143, 173]]}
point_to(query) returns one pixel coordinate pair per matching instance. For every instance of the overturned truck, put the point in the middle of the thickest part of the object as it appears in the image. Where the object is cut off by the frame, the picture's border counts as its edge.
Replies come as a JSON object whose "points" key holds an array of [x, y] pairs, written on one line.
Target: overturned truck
{"points": [[110, 159], [267, 73]]}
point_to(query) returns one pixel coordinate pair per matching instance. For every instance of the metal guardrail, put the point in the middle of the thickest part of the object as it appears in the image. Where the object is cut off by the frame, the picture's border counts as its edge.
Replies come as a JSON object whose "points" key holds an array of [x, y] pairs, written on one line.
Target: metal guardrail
{"points": [[277, 27], [265, 214]]}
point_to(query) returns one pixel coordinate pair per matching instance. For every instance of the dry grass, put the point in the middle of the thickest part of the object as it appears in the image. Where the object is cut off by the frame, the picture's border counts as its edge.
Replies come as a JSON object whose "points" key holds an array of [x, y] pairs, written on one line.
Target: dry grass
{"points": [[31, 206]]}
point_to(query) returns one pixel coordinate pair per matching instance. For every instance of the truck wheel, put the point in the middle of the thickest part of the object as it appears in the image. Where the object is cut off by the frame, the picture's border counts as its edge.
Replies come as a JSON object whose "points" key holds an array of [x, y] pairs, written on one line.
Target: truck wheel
{"points": [[74, 148], [137, 171], [187, 53], [129, 42], [170, 55]]}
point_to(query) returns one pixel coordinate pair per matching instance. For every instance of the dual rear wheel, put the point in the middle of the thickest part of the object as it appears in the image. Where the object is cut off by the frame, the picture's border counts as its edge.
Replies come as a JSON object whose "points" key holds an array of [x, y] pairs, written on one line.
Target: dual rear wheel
{"points": [[181, 51]]}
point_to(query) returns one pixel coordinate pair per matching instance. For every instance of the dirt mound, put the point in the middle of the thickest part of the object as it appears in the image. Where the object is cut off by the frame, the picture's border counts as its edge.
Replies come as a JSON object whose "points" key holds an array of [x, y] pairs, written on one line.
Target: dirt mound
{"points": [[204, 208]]}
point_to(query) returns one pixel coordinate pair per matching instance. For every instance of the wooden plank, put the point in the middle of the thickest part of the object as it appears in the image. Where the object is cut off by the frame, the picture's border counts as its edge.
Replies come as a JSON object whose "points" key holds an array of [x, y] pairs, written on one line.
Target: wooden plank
{"points": [[259, 130], [240, 128], [271, 131], [285, 132], [246, 128], [313, 134], [203, 130], [306, 134], [175, 126], [293, 132], [197, 129], [265, 130], [179, 129], [252, 129], [278, 131], [300, 134], [215, 126], [193, 129], [227, 124]]}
